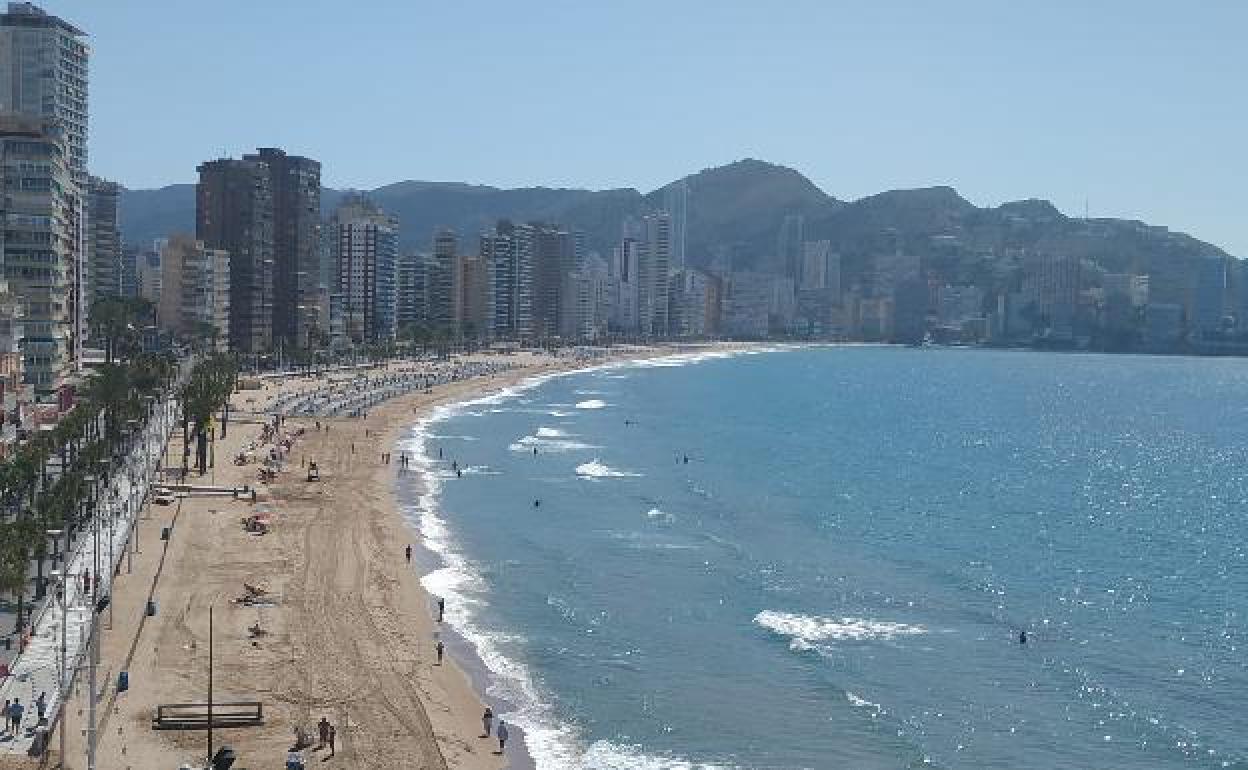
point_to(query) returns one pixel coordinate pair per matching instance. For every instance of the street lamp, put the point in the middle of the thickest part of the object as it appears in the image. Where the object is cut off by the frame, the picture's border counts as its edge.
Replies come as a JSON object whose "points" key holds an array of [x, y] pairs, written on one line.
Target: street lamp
{"points": [[62, 686]]}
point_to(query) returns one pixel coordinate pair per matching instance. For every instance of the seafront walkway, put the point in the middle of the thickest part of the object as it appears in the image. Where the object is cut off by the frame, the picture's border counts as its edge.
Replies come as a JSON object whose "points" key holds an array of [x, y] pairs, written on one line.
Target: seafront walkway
{"points": [[41, 667]]}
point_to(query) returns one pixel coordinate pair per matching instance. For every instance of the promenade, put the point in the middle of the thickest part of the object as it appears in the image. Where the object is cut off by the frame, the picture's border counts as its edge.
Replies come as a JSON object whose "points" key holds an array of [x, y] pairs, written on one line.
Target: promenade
{"points": [[102, 546]]}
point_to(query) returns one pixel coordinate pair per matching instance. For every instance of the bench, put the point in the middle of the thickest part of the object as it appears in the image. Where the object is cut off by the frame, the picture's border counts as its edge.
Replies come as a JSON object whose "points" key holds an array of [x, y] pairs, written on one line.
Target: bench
{"points": [[194, 716]]}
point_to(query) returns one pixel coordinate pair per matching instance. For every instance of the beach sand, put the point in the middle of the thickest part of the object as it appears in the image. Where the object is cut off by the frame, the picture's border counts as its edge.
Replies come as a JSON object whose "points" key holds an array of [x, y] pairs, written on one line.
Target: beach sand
{"points": [[350, 635]]}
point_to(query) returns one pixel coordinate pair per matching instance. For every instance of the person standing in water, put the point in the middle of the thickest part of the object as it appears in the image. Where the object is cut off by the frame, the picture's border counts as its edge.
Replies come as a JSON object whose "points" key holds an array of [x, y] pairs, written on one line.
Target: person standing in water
{"points": [[441, 608], [1022, 637], [441, 648], [408, 553]]}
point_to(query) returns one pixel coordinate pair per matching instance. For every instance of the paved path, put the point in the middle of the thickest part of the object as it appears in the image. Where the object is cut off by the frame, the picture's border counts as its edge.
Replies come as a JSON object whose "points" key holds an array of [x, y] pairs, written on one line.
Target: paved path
{"points": [[38, 668]]}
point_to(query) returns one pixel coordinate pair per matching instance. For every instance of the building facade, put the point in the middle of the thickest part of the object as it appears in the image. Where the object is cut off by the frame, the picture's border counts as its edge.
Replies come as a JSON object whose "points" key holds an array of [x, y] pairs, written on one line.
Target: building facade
{"points": [[103, 260], [295, 188], [40, 246], [364, 249], [409, 287], [653, 267], [195, 292], [234, 213]]}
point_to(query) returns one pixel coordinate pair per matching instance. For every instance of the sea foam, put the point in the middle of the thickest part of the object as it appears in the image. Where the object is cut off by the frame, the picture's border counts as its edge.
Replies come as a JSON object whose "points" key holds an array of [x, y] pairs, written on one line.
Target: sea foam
{"points": [[804, 631], [593, 403], [599, 470], [553, 743]]}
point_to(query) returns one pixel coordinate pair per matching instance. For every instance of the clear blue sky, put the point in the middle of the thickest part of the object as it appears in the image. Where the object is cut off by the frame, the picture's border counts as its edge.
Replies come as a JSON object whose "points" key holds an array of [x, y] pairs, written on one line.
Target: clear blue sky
{"points": [[1137, 106]]}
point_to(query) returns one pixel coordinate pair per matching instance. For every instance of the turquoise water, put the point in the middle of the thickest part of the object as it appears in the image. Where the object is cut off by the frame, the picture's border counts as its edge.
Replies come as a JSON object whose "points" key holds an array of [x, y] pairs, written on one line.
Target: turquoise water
{"points": [[839, 574]]}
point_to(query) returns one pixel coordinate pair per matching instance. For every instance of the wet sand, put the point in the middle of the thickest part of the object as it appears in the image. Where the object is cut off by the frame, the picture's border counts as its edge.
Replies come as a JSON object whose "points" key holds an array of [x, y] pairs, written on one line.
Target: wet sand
{"points": [[349, 635]]}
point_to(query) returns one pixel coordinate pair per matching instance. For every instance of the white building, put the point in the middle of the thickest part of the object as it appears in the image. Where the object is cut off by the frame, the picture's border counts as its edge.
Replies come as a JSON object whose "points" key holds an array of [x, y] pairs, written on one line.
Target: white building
{"points": [[363, 244]]}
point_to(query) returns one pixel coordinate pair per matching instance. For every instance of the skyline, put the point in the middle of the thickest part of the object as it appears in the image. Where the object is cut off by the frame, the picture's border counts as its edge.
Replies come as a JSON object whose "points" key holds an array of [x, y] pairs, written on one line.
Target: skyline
{"points": [[1126, 109]]}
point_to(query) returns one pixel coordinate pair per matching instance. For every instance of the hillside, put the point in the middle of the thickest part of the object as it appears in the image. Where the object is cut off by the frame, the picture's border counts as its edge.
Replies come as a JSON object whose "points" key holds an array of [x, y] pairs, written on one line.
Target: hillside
{"points": [[734, 215]]}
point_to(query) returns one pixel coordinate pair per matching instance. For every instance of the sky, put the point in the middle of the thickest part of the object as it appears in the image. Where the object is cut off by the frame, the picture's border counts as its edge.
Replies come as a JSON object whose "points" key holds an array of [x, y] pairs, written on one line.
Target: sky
{"points": [[1130, 108]]}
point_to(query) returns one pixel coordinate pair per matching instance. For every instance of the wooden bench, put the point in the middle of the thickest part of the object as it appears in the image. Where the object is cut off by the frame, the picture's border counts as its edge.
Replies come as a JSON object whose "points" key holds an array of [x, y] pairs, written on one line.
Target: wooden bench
{"points": [[194, 716]]}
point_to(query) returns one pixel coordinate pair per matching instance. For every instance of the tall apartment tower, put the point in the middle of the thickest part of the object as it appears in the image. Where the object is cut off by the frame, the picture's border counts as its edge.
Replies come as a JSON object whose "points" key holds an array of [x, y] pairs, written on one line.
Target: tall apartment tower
{"points": [[676, 203], [43, 75], [39, 250], [295, 183], [789, 245], [364, 247], [653, 266], [444, 283], [550, 251], [103, 260], [195, 291], [409, 288], [234, 212]]}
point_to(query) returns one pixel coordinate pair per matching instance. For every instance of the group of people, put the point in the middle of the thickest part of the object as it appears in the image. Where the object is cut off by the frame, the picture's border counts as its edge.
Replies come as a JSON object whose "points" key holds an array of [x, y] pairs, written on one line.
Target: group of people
{"points": [[327, 736], [14, 712], [500, 732]]}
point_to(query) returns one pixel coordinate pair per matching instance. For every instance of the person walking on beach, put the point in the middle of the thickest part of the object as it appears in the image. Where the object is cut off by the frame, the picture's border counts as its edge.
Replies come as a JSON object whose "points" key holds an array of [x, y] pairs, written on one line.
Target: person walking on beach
{"points": [[15, 714], [441, 648], [41, 707], [408, 553], [502, 735], [441, 608], [322, 730], [487, 719]]}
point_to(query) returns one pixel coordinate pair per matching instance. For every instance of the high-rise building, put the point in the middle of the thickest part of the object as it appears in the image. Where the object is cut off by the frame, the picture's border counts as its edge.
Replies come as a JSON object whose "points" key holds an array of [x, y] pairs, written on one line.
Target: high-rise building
{"points": [[295, 184], [552, 252], [364, 246], [39, 251], [746, 302], [476, 303], [43, 74], [676, 204], [103, 261], [694, 302], [128, 271], [234, 212], [789, 245], [625, 295], [653, 268], [511, 273], [1057, 292], [410, 299], [195, 291], [444, 283]]}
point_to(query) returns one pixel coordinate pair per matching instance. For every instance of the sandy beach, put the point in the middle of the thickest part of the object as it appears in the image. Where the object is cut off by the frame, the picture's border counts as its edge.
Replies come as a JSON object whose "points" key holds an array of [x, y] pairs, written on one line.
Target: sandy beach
{"points": [[349, 633]]}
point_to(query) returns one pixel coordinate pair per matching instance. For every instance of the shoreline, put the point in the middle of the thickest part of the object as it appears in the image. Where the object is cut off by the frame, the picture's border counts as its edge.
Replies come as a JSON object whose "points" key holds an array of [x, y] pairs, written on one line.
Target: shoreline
{"points": [[349, 633], [421, 508]]}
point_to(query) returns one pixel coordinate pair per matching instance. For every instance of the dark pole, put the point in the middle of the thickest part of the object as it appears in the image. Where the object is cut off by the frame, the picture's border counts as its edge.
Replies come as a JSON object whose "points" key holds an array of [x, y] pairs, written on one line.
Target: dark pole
{"points": [[210, 685]]}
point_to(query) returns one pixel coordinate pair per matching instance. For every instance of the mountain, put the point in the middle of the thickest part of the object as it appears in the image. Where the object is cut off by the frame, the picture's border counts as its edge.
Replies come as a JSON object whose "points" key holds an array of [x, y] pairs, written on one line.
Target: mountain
{"points": [[734, 214]]}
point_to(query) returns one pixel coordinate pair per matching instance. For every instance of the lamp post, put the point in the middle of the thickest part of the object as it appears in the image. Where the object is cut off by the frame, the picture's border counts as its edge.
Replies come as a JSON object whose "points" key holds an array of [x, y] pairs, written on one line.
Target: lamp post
{"points": [[62, 679]]}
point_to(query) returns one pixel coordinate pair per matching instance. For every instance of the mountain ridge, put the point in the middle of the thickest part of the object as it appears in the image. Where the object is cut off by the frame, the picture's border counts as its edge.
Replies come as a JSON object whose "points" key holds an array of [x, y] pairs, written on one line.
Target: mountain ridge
{"points": [[734, 215]]}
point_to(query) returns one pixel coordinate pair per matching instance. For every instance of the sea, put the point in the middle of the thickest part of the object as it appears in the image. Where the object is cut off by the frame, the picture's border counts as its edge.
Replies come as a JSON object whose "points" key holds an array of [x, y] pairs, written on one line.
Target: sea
{"points": [[824, 557]]}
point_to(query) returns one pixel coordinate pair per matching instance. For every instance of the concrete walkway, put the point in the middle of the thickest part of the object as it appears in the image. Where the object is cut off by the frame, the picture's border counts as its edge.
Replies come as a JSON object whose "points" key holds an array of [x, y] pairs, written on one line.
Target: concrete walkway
{"points": [[38, 668]]}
